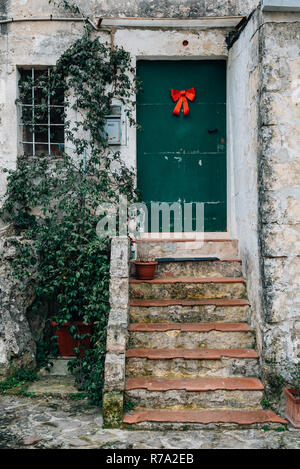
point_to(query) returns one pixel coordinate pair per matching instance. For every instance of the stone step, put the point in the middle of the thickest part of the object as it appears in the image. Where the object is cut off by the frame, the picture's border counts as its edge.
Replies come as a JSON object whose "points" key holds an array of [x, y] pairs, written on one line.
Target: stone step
{"points": [[55, 386], [195, 384], [190, 335], [57, 367], [199, 393], [190, 327], [183, 363], [151, 419], [193, 267], [220, 248], [198, 269], [227, 310], [188, 288]]}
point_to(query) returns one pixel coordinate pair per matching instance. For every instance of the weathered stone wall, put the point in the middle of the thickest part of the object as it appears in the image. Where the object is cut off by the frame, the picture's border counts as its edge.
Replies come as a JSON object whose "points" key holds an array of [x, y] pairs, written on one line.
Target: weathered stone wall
{"points": [[279, 183], [17, 348], [140, 8], [25, 44], [117, 333], [175, 8], [264, 119]]}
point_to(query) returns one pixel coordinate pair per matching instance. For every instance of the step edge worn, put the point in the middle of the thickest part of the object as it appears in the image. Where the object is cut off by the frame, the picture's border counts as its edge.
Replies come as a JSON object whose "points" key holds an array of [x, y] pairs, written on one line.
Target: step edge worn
{"points": [[213, 354], [204, 327], [218, 302], [212, 384], [194, 416], [204, 280]]}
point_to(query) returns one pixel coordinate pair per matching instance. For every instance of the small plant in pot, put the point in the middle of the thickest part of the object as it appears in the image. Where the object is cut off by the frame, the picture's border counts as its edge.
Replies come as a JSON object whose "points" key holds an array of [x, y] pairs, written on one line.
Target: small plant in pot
{"points": [[145, 268], [292, 393]]}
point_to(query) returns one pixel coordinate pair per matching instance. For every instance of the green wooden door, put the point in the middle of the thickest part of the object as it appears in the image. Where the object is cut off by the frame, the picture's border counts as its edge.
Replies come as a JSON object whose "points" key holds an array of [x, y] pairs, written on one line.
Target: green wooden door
{"points": [[183, 158]]}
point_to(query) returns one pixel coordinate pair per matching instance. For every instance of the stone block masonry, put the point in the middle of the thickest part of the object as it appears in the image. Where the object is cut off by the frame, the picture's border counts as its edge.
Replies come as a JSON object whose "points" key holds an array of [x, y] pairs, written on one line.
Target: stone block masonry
{"points": [[117, 332], [140, 8], [17, 347], [263, 83], [279, 185]]}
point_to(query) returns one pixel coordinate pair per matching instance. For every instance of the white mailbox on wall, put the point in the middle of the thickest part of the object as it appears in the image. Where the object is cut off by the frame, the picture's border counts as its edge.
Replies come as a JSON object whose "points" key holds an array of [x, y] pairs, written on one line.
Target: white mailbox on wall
{"points": [[115, 126]]}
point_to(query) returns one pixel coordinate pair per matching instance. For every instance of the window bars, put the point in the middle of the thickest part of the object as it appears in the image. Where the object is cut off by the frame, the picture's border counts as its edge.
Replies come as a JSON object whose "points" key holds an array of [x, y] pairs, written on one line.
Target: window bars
{"points": [[41, 114]]}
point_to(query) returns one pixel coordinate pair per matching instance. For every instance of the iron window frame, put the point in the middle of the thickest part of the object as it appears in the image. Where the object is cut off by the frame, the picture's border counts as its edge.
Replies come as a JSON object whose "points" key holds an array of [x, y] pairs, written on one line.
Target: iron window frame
{"points": [[50, 106]]}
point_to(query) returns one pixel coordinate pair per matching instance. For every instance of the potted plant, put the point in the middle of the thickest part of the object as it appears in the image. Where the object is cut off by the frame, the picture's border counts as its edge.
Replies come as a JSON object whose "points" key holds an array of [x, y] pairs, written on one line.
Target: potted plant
{"points": [[292, 393], [73, 336], [145, 268]]}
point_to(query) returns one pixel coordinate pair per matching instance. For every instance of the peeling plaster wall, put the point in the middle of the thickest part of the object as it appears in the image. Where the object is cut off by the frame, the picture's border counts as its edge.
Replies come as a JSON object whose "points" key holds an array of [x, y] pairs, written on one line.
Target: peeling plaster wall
{"points": [[243, 96], [25, 44]]}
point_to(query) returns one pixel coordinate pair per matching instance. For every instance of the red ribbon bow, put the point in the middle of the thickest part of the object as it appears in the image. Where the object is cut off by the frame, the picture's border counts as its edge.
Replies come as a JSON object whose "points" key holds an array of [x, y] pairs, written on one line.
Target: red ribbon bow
{"points": [[182, 97]]}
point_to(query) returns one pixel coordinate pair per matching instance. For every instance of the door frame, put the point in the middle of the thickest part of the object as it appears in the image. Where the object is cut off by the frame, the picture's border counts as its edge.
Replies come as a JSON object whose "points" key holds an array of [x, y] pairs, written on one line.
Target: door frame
{"points": [[231, 228]]}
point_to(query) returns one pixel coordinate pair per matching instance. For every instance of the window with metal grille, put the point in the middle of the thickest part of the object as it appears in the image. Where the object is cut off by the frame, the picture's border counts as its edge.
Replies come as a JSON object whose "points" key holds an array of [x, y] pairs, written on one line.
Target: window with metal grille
{"points": [[41, 113]]}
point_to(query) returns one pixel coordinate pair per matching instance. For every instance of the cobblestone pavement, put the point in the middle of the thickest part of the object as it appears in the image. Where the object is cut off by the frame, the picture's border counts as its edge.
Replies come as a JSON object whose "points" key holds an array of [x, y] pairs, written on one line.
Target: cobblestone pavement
{"points": [[56, 423]]}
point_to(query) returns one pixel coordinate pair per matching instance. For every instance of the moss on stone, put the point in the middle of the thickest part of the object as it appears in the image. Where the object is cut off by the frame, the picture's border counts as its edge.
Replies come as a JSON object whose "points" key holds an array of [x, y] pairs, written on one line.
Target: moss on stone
{"points": [[113, 409]]}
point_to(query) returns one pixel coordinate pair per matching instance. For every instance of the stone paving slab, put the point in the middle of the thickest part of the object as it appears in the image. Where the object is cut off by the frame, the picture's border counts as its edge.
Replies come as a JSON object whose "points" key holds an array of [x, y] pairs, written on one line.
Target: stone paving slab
{"points": [[53, 423], [54, 386]]}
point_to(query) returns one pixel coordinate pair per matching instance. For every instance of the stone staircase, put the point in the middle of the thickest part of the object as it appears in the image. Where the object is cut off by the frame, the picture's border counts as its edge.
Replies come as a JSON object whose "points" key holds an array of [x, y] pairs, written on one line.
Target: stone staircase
{"points": [[191, 359]]}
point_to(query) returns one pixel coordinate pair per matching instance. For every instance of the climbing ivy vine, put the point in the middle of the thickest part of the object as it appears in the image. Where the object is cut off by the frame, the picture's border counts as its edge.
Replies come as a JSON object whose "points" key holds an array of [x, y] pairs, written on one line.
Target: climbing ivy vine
{"points": [[53, 201]]}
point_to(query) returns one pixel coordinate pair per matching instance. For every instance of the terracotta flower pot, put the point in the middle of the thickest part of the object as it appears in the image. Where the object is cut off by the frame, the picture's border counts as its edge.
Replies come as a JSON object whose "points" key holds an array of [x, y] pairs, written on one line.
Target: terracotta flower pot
{"points": [[292, 411], [67, 343], [145, 270]]}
